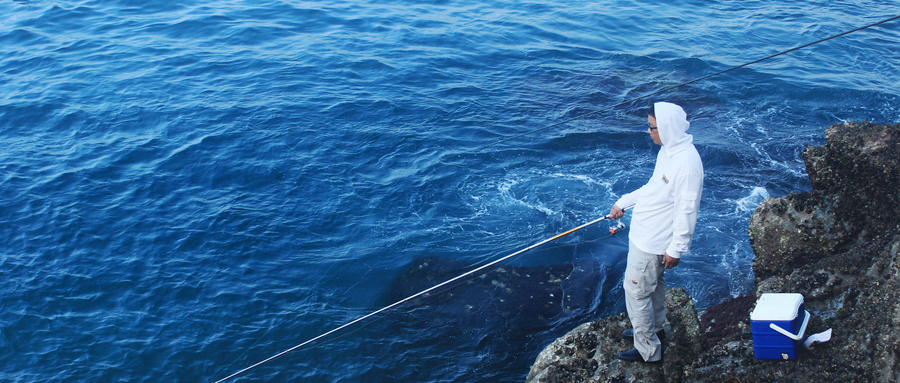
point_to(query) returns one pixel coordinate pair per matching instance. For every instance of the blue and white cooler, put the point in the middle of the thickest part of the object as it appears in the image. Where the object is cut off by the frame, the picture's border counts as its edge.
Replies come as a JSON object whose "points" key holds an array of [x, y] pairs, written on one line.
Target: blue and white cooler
{"points": [[778, 324]]}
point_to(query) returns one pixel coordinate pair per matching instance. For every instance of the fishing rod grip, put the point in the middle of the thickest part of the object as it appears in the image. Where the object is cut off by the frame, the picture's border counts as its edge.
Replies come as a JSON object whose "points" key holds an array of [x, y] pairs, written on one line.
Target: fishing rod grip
{"points": [[621, 210]]}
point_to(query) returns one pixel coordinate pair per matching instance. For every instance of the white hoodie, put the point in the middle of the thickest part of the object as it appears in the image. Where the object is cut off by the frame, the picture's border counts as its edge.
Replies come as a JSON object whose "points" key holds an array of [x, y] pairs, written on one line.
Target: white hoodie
{"points": [[665, 209]]}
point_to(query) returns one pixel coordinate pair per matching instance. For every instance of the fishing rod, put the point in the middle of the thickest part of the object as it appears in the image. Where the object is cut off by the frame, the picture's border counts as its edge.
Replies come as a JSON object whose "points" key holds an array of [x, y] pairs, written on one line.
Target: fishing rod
{"points": [[424, 292], [688, 82]]}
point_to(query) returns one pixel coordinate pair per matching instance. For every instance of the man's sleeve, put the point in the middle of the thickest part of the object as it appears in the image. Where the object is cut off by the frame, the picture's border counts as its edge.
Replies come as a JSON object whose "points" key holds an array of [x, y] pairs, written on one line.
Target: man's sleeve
{"points": [[628, 201]]}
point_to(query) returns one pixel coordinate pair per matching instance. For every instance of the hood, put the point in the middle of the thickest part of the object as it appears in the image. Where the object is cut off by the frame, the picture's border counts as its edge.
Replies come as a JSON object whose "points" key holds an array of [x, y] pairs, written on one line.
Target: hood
{"points": [[672, 125]]}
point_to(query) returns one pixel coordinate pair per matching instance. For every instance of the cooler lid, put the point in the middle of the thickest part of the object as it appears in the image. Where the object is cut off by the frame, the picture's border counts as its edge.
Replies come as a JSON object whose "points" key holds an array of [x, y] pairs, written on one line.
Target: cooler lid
{"points": [[777, 307]]}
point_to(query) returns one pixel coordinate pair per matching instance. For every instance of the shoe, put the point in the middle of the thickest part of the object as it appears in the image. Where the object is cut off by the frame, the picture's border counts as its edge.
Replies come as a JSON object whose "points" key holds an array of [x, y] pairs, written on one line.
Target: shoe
{"points": [[634, 356], [629, 334]]}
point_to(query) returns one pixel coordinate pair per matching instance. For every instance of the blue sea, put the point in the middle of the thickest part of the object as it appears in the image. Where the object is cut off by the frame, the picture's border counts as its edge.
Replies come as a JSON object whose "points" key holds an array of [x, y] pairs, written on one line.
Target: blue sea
{"points": [[191, 187]]}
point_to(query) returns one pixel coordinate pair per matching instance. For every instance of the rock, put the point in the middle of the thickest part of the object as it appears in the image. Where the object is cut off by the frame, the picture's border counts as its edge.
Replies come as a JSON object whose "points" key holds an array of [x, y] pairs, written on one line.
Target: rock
{"points": [[791, 230], [856, 171], [588, 352], [854, 199], [838, 246], [728, 320]]}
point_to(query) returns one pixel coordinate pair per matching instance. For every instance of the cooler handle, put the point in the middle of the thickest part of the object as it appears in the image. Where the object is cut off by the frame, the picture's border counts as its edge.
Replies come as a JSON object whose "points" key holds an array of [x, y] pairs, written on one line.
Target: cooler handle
{"points": [[784, 332]]}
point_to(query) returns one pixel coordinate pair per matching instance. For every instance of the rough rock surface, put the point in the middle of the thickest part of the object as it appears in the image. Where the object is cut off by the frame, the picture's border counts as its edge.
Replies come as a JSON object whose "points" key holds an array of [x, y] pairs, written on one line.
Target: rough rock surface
{"points": [[588, 353], [838, 245], [854, 201]]}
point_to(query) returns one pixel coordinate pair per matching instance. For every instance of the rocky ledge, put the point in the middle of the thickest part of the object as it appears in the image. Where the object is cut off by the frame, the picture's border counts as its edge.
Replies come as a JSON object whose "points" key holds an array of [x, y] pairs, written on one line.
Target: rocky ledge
{"points": [[838, 245]]}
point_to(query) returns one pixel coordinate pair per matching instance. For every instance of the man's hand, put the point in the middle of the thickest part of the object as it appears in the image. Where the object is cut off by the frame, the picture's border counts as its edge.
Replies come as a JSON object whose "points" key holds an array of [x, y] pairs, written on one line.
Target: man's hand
{"points": [[616, 212], [670, 262]]}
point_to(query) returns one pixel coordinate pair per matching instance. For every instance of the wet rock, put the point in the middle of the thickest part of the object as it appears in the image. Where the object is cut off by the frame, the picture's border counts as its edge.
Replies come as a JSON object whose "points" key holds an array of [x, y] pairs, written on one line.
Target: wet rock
{"points": [[854, 200], [588, 352]]}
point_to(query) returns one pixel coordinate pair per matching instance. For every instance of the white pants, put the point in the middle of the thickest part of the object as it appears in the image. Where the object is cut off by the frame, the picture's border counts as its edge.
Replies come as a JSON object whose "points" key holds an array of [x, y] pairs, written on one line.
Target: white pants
{"points": [[645, 300]]}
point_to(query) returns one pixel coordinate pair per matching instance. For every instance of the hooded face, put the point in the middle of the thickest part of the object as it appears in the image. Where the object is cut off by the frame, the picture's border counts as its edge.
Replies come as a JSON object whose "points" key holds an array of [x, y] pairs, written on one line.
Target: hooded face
{"points": [[653, 130], [671, 125]]}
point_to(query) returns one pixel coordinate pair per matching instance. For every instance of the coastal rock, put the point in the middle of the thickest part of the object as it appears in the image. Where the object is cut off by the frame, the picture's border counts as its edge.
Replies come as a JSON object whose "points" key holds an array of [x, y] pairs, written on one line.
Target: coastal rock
{"points": [[791, 230], [854, 201], [856, 172], [838, 245], [865, 319], [588, 353]]}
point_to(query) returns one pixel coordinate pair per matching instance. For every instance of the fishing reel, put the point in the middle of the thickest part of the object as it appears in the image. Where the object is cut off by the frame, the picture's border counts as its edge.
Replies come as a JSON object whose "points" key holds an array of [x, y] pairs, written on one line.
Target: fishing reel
{"points": [[619, 226]]}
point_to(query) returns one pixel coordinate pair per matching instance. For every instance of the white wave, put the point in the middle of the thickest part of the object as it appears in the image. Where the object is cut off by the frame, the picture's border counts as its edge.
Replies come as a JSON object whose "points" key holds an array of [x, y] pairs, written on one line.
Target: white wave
{"points": [[750, 202], [510, 199], [587, 180]]}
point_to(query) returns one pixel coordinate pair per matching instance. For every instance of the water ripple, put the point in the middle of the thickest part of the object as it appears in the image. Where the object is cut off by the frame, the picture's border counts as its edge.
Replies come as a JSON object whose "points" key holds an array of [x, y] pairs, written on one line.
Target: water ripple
{"points": [[188, 188]]}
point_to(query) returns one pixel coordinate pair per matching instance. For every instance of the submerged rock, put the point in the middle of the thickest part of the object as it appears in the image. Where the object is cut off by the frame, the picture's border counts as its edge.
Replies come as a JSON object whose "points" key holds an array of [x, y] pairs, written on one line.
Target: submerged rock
{"points": [[838, 245], [515, 298]]}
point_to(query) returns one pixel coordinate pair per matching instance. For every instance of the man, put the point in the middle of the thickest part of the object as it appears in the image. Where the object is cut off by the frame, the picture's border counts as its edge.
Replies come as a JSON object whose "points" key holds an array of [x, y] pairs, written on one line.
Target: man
{"points": [[662, 225]]}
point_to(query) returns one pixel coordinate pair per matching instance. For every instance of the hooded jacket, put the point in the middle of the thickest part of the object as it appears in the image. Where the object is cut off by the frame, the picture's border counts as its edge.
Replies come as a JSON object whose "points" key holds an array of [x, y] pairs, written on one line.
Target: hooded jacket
{"points": [[665, 208]]}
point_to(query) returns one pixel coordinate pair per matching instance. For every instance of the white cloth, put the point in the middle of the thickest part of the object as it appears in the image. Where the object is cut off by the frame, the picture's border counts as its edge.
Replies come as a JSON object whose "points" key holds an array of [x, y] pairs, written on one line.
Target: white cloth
{"points": [[665, 208], [822, 337], [645, 300]]}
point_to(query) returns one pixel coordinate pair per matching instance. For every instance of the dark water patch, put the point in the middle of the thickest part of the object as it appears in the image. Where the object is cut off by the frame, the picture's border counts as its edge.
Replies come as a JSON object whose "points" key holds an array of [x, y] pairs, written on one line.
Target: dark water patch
{"points": [[506, 300]]}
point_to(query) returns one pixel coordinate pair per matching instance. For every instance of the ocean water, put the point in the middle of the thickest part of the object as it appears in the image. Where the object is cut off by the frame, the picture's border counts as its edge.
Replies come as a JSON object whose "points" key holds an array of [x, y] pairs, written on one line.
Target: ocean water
{"points": [[191, 187]]}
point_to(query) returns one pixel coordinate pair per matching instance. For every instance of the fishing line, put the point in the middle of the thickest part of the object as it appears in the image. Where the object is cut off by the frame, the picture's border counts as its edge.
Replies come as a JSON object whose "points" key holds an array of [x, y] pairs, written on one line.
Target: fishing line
{"points": [[687, 83], [415, 296], [612, 231]]}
